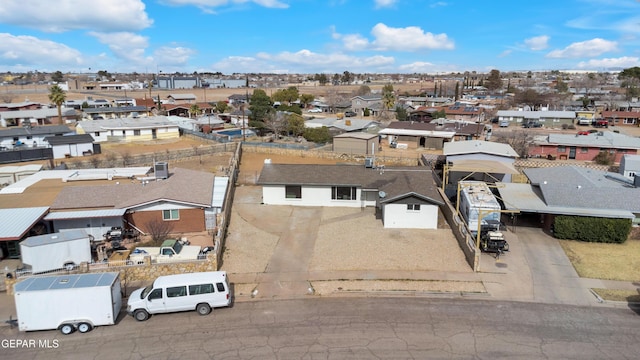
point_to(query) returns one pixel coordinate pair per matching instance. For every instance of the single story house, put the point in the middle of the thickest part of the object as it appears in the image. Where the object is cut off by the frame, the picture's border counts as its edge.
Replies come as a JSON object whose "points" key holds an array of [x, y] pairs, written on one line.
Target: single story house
{"points": [[480, 160], [572, 190], [417, 134], [25, 105], [18, 224], [405, 197], [181, 98], [30, 136], [361, 102], [89, 103], [14, 173], [338, 126], [546, 118], [70, 145], [44, 116], [129, 129], [630, 166], [468, 112], [115, 112], [619, 118], [584, 147]]}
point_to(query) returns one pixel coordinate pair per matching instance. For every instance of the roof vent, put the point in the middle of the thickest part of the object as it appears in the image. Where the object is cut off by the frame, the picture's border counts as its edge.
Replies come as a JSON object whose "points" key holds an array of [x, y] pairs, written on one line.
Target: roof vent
{"points": [[382, 194]]}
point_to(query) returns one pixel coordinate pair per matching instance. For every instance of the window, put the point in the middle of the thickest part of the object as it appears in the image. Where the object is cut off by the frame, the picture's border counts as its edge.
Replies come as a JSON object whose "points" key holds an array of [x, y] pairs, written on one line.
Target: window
{"points": [[293, 191], [622, 151], [97, 133], [136, 132], [155, 294], [612, 151], [171, 214], [200, 289], [176, 291], [220, 287], [584, 150], [562, 149], [413, 207], [343, 193]]}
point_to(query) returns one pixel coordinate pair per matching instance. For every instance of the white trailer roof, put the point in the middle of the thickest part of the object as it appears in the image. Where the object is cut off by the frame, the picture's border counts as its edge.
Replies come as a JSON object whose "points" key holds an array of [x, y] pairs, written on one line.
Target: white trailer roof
{"points": [[58, 282], [54, 238]]}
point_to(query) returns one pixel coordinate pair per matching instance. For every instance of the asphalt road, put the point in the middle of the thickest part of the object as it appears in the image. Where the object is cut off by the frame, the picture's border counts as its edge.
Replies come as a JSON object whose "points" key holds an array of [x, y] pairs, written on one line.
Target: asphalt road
{"points": [[352, 328]]}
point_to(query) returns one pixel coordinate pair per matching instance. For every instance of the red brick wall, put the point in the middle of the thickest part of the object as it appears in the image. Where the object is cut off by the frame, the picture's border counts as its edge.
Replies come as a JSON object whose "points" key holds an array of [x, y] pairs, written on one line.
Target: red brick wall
{"points": [[591, 153], [191, 220]]}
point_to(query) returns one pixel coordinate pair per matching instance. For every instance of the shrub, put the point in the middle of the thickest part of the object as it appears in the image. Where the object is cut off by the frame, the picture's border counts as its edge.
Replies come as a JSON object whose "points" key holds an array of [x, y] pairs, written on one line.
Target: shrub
{"points": [[592, 229]]}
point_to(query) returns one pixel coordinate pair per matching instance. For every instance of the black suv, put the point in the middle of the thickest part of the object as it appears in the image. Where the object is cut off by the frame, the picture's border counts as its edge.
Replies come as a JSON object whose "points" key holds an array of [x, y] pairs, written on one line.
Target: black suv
{"points": [[349, 113]]}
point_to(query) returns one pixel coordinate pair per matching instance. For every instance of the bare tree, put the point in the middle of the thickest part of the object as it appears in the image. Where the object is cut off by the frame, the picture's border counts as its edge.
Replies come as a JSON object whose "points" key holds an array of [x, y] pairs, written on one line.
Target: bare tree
{"points": [[519, 140], [276, 122], [159, 230], [126, 158]]}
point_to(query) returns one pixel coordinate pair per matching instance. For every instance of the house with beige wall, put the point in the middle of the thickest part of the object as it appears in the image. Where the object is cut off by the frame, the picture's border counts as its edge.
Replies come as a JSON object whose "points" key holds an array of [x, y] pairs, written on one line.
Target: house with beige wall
{"points": [[130, 129]]}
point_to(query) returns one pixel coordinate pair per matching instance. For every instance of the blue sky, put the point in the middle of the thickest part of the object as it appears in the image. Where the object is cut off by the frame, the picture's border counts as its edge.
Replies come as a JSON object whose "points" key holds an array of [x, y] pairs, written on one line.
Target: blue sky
{"points": [[313, 36]]}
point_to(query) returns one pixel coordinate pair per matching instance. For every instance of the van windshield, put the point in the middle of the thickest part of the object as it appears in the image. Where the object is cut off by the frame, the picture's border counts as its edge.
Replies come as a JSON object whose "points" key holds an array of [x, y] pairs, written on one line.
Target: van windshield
{"points": [[146, 291]]}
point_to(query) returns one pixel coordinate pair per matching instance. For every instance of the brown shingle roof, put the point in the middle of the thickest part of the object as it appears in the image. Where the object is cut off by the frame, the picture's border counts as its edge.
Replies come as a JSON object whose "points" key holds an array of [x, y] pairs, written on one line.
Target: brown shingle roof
{"points": [[393, 181]]}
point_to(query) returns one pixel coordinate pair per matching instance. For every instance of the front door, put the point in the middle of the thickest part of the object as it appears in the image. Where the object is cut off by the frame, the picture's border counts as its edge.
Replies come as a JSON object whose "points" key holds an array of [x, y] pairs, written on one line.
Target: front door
{"points": [[154, 133], [572, 152]]}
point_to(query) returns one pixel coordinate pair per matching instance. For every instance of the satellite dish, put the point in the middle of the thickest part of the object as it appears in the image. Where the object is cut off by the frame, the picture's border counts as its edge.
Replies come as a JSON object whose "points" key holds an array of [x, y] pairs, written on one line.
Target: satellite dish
{"points": [[382, 194]]}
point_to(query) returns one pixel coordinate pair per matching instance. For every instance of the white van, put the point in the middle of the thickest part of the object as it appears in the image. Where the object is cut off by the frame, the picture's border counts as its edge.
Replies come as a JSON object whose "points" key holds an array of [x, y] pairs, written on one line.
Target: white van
{"points": [[201, 292]]}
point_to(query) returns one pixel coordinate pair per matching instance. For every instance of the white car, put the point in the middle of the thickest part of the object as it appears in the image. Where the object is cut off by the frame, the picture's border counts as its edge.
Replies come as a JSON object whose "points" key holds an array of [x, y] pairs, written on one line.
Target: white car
{"points": [[315, 110]]}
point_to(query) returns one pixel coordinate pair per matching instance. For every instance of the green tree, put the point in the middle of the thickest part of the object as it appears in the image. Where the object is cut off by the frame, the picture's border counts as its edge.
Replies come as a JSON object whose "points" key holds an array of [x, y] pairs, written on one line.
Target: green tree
{"points": [[440, 114], [401, 113], [57, 77], [286, 96], [194, 110], [317, 135], [457, 93], [388, 96], [295, 109], [346, 77], [295, 125], [321, 78], [221, 106], [306, 99], [561, 86], [363, 90], [58, 97], [260, 105], [630, 81], [494, 82]]}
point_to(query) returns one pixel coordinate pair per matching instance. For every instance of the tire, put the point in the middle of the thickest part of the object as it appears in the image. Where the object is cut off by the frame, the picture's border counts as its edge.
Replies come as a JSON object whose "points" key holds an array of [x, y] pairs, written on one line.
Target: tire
{"points": [[67, 329], [84, 327], [203, 309], [141, 315]]}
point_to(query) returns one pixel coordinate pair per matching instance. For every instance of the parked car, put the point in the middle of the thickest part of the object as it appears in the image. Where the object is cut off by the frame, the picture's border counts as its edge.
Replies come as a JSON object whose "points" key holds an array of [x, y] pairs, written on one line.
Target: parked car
{"points": [[533, 124], [315, 110], [349, 113]]}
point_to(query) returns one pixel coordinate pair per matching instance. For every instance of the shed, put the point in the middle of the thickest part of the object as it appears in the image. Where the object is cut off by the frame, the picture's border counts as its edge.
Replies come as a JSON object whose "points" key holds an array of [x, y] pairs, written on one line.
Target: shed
{"points": [[70, 145], [360, 143]]}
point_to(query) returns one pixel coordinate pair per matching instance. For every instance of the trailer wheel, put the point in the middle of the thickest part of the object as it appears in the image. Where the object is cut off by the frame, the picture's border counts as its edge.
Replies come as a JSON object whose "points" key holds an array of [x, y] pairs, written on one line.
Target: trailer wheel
{"points": [[141, 315], [84, 327], [67, 329], [203, 309]]}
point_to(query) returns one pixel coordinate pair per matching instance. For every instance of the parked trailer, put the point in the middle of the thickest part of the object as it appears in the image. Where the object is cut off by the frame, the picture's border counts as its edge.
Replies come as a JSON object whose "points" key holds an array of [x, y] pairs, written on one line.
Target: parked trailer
{"points": [[56, 251], [68, 302], [476, 196]]}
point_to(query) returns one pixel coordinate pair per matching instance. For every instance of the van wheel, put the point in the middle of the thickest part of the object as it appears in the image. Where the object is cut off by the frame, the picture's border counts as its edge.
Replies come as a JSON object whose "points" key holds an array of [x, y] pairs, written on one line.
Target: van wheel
{"points": [[141, 315], [203, 309], [67, 329], [84, 327]]}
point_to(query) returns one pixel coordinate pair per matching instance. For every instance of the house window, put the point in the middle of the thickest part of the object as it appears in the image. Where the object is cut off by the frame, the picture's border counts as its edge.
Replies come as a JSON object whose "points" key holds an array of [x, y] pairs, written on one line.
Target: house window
{"points": [[584, 150], [97, 133], [293, 191], [562, 149], [413, 207], [343, 193], [622, 151], [136, 132], [171, 214]]}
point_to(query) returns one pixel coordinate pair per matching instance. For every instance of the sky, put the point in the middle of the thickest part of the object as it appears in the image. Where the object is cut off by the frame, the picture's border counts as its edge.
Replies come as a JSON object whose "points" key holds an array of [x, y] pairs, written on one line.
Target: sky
{"points": [[318, 36]]}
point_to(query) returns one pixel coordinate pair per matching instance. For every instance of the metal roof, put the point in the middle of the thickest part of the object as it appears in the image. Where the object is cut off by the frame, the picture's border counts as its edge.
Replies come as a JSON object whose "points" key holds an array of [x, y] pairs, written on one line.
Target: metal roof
{"points": [[36, 130], [54, 238], [13, 169], [125, 123], [485, 166], [478, 146], [36, 114], [220, 184], [69, 139], [68, 215], [15, 223], [357, 135], [426, 133], [59, 282], [605, 139]]}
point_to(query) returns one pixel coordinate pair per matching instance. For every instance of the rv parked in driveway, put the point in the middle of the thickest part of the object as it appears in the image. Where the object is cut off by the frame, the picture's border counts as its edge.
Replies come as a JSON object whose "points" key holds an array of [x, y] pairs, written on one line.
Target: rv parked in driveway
{"points": [[68, 302], [200, 291]]}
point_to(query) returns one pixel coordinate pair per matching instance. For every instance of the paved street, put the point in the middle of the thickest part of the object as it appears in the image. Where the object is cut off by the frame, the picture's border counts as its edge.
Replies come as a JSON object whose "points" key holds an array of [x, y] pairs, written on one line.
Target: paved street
{"points": [[352, 328]]}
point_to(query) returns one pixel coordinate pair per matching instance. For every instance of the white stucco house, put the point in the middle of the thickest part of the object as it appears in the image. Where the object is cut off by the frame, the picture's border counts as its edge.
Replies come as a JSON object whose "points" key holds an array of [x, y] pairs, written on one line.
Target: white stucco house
{"points": [[404, 197]]}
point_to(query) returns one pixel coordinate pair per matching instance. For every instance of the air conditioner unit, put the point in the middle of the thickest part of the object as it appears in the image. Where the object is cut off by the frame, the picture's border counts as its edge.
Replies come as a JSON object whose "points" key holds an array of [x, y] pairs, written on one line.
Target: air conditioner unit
{"points": [[161, 170]]}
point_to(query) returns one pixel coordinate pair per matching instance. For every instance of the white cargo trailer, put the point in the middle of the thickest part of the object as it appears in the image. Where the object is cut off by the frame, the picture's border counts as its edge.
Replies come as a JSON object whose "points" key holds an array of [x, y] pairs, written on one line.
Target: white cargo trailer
{"points": [[68, 302], [55, 251], [474, 197]]}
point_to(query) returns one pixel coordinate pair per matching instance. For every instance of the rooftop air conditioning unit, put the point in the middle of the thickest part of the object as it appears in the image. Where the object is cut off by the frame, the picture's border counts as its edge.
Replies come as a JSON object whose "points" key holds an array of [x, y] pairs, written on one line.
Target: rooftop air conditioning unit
{"points": [[161, 170]]}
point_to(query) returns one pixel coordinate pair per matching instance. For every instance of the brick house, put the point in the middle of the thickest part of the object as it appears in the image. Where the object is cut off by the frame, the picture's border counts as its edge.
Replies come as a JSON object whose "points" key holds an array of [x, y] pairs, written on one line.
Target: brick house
{"points": [[622, 118], [584, 147]]}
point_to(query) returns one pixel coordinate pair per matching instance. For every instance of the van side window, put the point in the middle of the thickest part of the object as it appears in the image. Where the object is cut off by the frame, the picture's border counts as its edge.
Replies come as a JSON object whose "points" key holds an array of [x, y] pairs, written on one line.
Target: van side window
{"points": [[176, 291], [155, 294], [220, 287], [200, 289]]}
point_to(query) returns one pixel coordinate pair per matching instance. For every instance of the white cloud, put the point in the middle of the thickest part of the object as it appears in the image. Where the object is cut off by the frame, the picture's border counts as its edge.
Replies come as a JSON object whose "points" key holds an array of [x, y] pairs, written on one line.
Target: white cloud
{"points": [[438, 4], [505, 53], [425, 67], [621, 62], [208, 5], [379, 4], [303, 61], [63, 15], [31, 53], [411, 38], [172, 56], [126, 46], [537, 42], [589, 48]]}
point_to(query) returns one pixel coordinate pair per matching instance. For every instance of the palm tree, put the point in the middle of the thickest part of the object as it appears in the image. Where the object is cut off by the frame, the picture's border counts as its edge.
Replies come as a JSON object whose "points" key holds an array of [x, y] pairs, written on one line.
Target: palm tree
{"points": [[195, 110], [57, 96]]}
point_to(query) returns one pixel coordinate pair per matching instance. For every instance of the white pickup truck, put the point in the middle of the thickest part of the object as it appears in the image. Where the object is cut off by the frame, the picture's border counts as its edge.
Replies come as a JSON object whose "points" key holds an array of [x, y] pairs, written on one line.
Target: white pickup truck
{"points": [[170, 250]]}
